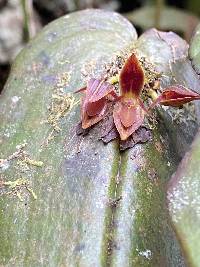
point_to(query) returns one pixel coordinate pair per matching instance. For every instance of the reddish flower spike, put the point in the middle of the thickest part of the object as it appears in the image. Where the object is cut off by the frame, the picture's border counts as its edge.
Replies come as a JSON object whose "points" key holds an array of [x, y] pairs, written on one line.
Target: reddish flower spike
{"points": [[177, 95]]}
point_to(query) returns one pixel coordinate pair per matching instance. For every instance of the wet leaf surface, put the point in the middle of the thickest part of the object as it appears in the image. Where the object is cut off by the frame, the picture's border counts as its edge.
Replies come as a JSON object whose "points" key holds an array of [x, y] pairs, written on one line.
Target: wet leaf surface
{"points": [[95, 206], [184, 202], [162, 50], [194, 51], [72, 185]]}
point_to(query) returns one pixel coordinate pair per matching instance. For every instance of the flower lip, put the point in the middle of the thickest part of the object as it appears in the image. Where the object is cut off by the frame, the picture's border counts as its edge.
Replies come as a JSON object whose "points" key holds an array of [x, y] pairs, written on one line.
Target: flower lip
{"points": [[128, 114], [127, 123]]}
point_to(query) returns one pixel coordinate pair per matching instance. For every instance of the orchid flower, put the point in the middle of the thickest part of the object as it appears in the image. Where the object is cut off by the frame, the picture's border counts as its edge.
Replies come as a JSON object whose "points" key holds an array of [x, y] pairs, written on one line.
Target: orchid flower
{"points": [[129, 110]]}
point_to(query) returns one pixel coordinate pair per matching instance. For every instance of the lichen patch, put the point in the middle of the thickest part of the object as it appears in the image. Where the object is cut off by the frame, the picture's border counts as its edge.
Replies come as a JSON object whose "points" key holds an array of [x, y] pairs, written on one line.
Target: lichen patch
{"points": [[61, 104], [24, 160], [18, 188]]}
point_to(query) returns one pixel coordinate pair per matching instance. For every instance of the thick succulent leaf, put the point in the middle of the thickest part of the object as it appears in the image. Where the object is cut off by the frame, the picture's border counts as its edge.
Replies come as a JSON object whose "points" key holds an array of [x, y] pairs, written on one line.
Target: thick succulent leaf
{"points": [[76, 219], [141, 224], [168, 53], [194, 51], [162, 48], [65, 225], [184, 203]]}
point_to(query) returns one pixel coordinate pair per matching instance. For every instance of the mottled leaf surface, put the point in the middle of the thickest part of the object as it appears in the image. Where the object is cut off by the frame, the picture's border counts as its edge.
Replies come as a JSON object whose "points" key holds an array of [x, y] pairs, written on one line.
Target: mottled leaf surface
{"points": [[95, 206], [168, 53], [65, 226], [194, 50], [184, 202]]}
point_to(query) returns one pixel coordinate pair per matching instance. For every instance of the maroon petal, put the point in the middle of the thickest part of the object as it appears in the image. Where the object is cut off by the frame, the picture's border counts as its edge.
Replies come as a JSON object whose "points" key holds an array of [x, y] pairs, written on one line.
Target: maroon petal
{"points": [[102, 90], [94, 104], [131, 77], [97, 89], [177, 95], [90, 115], [92, 86], [95, 108]]}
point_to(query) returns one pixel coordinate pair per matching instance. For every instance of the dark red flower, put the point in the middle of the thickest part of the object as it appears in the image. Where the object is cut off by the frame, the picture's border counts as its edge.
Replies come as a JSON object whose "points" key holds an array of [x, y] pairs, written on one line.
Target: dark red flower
{"points": [[129, 110]]}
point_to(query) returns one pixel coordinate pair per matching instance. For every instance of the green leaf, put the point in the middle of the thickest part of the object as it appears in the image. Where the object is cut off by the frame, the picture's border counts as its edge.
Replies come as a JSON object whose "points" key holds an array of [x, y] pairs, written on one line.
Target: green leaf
{"points": [[142, 234], [171, 18], [168, 52], [65, 225], [194, 51], [184, 203], [74, 200]]}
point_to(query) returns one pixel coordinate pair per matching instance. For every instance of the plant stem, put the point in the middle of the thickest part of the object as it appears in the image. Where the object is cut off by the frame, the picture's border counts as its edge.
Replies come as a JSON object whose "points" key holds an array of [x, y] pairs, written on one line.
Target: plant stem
{"points": [[30, 21], [158, 12], [26, 31]]}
